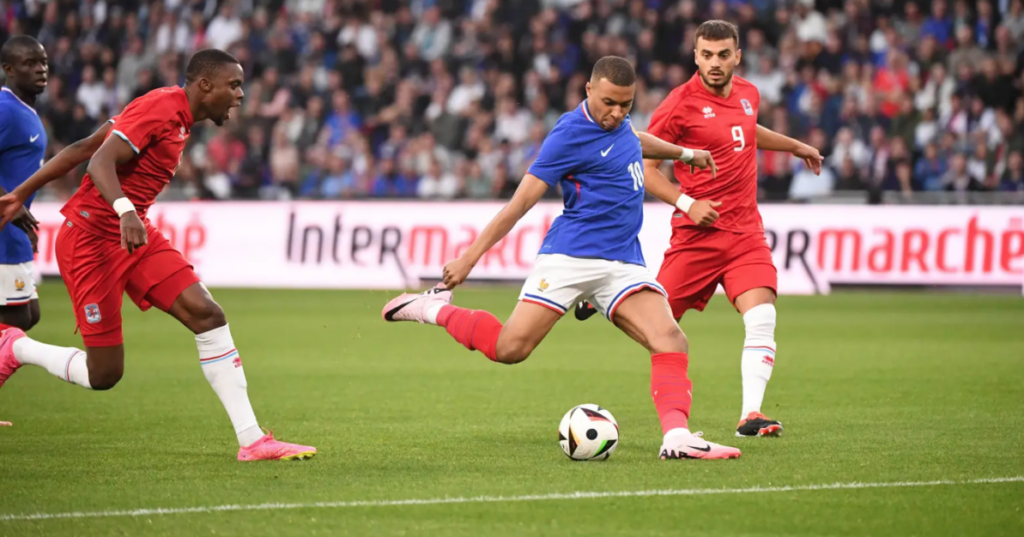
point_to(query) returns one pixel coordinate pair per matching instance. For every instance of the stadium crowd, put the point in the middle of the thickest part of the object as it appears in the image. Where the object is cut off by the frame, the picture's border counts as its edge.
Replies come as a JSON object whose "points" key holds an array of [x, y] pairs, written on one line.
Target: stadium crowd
{"points": [[452, 98]]}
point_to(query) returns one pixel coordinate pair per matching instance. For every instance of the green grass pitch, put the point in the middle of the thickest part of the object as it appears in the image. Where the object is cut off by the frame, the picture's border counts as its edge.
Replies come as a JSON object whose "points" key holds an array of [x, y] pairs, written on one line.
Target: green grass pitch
{"points": [[872, 388]]}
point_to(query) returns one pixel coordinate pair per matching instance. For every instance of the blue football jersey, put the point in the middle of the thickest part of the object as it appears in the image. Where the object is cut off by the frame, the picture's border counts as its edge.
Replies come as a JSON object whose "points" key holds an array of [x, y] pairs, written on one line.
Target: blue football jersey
{"points": [[602, 178], [22, 150]]}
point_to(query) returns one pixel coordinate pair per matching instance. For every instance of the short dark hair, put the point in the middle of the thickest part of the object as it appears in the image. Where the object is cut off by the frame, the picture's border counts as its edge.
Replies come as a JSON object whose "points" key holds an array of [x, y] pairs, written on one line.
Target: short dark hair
{"points": [[616, 69], [205, 62], [16, 45], [717, 30]]}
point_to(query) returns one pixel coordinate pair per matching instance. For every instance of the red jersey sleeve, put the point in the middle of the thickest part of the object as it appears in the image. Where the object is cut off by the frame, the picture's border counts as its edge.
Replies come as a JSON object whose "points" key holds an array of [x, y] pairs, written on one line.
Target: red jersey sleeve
{"points": [[140, 123], [667, 122]]}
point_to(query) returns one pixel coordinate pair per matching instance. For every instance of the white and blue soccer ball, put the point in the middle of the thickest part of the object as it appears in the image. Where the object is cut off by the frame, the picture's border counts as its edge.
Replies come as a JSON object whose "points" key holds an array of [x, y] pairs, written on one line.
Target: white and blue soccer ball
{"points": [[588, 433]]}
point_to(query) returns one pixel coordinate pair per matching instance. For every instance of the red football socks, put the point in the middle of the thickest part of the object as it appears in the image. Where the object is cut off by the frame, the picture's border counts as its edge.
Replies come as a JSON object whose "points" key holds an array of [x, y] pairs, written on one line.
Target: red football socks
{"points": [[671, 389], [475, 329]]}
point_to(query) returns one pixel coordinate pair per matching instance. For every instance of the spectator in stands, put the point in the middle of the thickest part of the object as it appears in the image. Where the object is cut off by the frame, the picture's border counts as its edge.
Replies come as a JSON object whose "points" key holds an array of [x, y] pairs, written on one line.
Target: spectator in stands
{"points": [[437, 183], [340, 181], [284, 162], [1012, 179], [929, 171], [225, 29], [1013, 19], [956, 178]]}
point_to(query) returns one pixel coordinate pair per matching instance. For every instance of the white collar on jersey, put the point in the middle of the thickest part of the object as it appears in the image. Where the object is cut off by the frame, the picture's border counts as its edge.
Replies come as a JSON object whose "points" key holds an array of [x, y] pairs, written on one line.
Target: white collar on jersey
{"points": [[23, 103], [586, 113]]}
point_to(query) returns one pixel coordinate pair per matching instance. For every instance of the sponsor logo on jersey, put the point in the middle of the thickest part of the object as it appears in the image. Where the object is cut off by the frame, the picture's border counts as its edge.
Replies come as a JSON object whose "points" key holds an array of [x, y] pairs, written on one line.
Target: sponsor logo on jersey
{"points": [[747, 107], [708, 113]]}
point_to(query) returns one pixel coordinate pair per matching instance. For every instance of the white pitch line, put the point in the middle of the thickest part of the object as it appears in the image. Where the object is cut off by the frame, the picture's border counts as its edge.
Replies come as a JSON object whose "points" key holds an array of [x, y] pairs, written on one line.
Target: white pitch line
{"points": [[497, 499]]}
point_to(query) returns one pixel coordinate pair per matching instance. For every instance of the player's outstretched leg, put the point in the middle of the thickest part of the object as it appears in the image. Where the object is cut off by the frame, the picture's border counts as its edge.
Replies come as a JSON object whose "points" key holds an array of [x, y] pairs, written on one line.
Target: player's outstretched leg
{"points": [[222, 365], [646, 317], [66, 363], [757, 307], [477, 329]]}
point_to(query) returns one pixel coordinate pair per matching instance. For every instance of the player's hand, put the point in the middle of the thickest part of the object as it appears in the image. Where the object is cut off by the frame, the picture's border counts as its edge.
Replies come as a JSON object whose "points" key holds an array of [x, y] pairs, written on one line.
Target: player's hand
{"points": [[25, 221], [456, 272], [33, 237], [133, 232], [12, 209], [811, 157], [702, 159], [703, 212]]}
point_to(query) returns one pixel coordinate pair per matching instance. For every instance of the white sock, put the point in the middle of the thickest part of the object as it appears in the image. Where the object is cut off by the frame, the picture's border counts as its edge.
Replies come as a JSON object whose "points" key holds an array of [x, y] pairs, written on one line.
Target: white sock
{"points": [[430, 315], [677, 433], [223, 369], [758, 356], [65, 363]]}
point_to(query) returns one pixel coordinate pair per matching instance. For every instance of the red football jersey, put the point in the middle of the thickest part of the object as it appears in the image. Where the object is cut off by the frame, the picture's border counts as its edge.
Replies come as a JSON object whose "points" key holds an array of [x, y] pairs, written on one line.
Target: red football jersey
{"points": [[156, 125], [693, 117]]}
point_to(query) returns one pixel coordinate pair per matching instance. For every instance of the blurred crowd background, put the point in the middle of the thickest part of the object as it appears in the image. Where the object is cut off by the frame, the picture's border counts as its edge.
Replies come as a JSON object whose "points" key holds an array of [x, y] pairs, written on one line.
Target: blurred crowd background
{"points": [[452, 98]]}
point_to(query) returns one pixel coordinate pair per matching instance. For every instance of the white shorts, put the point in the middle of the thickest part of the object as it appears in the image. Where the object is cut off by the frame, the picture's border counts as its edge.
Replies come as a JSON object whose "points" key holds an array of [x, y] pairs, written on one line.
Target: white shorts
{"points": [[558, 282], [17, 284]]}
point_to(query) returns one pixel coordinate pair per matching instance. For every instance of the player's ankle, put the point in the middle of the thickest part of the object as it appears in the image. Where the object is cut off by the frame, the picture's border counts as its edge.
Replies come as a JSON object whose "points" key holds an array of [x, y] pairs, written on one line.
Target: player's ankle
{"points": [[677, 433]]}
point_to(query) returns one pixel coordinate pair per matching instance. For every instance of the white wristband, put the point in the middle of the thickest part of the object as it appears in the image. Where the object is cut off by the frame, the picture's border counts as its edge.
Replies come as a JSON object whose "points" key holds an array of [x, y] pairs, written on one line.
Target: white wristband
{"points": [[123, 205], [687, 155], [684, 202]]}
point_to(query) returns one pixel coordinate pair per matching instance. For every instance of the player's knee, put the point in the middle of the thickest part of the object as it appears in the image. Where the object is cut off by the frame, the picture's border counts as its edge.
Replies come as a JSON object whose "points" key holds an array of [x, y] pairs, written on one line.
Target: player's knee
{"points": [[206, 315], [759, 322], [514, 352], [20, 317], [669, 339], [105, 378]]}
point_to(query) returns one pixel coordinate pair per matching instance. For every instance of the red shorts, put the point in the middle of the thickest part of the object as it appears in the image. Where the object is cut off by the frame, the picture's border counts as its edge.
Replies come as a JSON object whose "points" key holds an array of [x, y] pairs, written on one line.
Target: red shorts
{"points": [[97, 273], [698, 260]]}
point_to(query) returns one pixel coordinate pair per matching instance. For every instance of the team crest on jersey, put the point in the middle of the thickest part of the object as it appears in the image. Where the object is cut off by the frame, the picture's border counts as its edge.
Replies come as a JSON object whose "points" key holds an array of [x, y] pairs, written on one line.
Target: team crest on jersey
{"points": [[747, 107], [543, 285], [19, 284], [708, 113], [92, 313]]}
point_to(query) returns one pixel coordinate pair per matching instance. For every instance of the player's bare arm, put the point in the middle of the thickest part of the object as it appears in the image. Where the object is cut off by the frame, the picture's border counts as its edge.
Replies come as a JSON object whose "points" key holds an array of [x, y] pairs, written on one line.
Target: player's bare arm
{"points": [[12, 203], [772, 141], [530, 190], [103, 171], [702, 212], [655, 148]]}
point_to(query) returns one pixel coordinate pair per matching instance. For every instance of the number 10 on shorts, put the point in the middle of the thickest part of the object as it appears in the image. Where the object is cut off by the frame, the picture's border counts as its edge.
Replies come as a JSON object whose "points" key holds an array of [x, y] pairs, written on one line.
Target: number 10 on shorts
{"points": [[636, 169]]}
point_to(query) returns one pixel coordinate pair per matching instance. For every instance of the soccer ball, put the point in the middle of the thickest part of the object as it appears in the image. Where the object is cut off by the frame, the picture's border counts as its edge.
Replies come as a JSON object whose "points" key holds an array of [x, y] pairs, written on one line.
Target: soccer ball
{"points": [[588, 433]]}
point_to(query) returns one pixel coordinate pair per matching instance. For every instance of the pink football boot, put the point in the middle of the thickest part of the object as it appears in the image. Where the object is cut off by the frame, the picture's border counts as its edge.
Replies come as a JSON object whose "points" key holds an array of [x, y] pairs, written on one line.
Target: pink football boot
{"points": [[413, 307], [269, 449], [693, 446], [8, 363]]}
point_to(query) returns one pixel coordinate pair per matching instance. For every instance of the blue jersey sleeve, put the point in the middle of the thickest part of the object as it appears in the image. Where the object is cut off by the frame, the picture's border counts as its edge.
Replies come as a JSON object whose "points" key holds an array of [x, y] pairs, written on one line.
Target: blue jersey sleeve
{"points": [[559, 156], [6, 126]]}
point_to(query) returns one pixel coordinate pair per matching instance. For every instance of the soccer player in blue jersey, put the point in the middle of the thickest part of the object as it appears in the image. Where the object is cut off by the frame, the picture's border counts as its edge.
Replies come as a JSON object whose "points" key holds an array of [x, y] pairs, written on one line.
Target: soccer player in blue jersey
{"points": [[22, 151], [591, 250]]}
